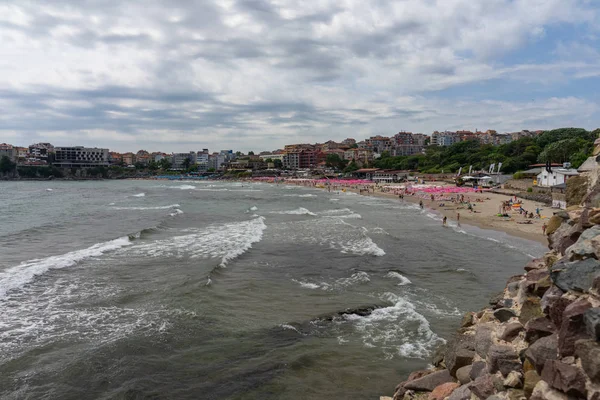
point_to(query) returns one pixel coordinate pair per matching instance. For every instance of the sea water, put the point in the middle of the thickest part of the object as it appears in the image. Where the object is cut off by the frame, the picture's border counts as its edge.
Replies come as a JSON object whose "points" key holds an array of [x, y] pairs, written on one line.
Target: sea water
{"points": [[224, 290]]}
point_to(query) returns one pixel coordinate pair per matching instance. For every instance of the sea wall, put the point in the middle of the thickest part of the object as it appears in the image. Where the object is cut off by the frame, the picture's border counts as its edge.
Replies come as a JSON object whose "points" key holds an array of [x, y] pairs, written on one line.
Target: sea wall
{"points": [[540, 337]]}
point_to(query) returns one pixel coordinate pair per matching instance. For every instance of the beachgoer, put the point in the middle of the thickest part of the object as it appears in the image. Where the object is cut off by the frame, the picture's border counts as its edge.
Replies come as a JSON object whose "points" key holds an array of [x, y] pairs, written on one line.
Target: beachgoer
{"points": [[421, 204], [544, 228], [457, 216], [444, 221]]}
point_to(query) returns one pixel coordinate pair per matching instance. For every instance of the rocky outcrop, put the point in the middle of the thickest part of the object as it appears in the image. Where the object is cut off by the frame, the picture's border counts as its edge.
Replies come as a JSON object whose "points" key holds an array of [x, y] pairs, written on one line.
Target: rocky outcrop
{"points": [[539, 338]]}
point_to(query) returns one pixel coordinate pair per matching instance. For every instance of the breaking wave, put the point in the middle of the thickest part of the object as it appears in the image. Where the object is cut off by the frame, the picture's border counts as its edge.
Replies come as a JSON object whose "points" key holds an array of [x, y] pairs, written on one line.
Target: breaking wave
{"points": [[18, 276], [396, 275], [148, 208], [297, 211], [139, 195]]}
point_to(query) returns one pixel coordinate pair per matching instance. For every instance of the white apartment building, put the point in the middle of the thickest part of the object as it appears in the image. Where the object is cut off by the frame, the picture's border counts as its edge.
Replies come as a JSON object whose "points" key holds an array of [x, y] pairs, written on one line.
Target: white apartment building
{"points": [[80, 157]]}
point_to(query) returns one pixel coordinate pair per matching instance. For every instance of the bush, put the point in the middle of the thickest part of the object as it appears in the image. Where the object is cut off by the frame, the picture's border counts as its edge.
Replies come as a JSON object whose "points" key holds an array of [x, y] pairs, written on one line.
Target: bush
{"points": [[529, 190], [519, 175]]}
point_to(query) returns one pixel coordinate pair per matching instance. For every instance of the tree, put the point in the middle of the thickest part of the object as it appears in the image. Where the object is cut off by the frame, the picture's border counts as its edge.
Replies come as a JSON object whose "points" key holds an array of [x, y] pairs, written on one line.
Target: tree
{"points": [[6, 165], [269, 160], [334, 161], [186, 163], [165, 164], [278, 164], [211, 170], [250, 153], [351, 167]]}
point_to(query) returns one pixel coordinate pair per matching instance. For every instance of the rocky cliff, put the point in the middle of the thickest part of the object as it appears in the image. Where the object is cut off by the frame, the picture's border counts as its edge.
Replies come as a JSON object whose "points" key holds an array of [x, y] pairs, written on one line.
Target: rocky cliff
{"points": [[540, 338]]}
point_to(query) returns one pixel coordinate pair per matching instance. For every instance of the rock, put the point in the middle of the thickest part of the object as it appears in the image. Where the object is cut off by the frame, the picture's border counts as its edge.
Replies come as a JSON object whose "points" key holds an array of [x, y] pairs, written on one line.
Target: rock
{"points": [[483, 339], [467, 320], [527, 365], [538, 328], [542, 285], [591, 319], [530, 309], [504, 314], [530, 380], [504, 359], [462, 393], [483, 387], [566, 378], [586, 246], [536, 263], [577, 275], [511, 331], [462, 374], [429, 382], [542, 350], [496, 300], [550, 297], [513, 288], [385, 398], [543, 391], [515, 394], [514, 380], [557, 308], [442, 391], [571, 328], [487, 316], [553, 224], [589, 353], [478, 369], [459, 352]]}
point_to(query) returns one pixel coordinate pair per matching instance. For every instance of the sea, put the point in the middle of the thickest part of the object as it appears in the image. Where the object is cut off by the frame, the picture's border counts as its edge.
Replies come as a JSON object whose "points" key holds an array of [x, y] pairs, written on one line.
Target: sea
{"points": [[148, 289]]}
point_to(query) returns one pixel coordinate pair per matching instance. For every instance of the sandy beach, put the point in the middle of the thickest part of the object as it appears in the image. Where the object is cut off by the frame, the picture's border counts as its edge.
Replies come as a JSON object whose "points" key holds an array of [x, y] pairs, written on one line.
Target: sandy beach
{"points": [[486, 206]]}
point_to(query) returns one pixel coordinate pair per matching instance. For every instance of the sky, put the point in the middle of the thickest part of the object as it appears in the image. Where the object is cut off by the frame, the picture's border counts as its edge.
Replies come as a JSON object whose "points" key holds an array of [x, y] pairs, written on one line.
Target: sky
{"points": [[183, 75]]}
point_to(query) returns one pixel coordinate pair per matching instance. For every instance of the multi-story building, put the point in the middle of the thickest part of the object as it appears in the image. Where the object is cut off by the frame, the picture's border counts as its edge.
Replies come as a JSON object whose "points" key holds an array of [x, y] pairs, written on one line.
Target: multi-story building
{"points": [[216, 161], [379, 144], [178, 160], [115, 158], [349, 142], [128, 158], [202, 160], [40, 152], [80, 157], [444, 138], [142, 157], [8, 150]]}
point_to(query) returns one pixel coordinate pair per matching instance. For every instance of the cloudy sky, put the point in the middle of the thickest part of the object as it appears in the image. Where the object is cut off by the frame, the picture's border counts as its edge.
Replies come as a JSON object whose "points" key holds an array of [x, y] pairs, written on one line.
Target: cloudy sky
{"points": [[182, 75]]}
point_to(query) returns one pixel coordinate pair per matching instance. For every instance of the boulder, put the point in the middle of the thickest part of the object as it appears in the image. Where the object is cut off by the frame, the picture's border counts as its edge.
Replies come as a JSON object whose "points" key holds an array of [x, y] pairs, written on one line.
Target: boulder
{"points": [[530, 380], [459, 352], [429, 382], [586, 246], [511, 331], [504, 314], [542, 350], [478, 369], [542, 285], [483, 387], [557, 309], [550, 297], [553, 224], [514, 380], [589, 353], [536, 263], [530, 309], [538, 328], [462, 374], [504, 359], [591, 319], [572, 327], [467, 320], [462, 393], [483, 338], [577, 275], [566, 378], [442, 391], [515, 394], [543, 391]]}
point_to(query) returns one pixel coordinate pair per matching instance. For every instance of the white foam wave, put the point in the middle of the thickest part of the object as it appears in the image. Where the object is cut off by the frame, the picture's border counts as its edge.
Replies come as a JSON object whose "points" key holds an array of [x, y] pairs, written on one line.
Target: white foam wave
{"points": [[307, 285], [226, 242], [300, 195], [334, 199], [289, 328], [253, 208], [186, 187], [148, 208], [396, 275], [297, 211], [48, 190], [176, 212], [359, 277], [362, 246], [398, 329], [18, 276], [139, 195]]}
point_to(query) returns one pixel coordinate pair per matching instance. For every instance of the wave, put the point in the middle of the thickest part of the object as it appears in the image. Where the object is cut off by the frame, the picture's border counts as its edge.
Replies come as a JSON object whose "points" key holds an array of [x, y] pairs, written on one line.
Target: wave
{"points": [[148, 208], [176, 212], [307, 285], [300, 195], [253, 208], [396, 275], [398, 329], [18, 276], [334, 199], [139, 195], [225, 241], [356, 278], [362, 246], [48, 190], [185, 187], [297, 211]]}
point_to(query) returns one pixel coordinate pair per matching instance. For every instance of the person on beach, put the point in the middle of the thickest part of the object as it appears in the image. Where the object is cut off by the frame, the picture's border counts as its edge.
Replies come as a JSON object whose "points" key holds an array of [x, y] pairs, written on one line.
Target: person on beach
{"points": [[421, 204], [457, 217], [544, 228], [444, 221]]}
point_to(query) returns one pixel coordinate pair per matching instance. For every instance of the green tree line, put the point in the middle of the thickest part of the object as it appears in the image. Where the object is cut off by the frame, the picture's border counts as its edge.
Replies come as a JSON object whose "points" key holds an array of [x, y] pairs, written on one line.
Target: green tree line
{"points": [[572, 145]]}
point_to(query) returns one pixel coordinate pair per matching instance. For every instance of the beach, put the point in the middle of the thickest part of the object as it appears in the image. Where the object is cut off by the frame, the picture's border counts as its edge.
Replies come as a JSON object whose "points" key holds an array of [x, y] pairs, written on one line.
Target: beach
{"points": [[486, 206]]}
